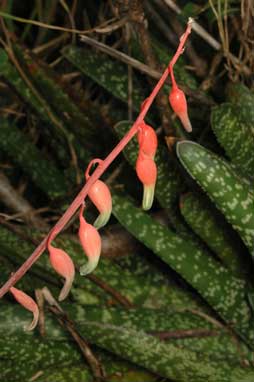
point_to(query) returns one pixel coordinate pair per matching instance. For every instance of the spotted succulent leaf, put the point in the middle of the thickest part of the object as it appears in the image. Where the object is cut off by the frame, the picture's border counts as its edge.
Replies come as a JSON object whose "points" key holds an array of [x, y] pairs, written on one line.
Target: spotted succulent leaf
{"points": [[109, 74], [224, 187], [236, 135], [60, 361], [225, 293], [44, 111], [42, 172], [239, 95], [209, 226], [216, 341], [48, 83], [164, 359]]}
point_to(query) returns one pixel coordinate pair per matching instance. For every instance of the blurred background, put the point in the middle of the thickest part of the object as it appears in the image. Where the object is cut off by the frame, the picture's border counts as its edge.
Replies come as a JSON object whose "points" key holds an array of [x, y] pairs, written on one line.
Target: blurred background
{"points": [[73, 76]]}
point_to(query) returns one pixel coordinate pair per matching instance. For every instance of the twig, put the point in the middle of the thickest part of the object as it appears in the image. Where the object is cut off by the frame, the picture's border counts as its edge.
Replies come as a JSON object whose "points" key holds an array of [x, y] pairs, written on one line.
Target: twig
{"points": [[196, 27], [70, 327], [13, 200], [53, 118], [137, 17], [36, 376], [50, 44], [206, 317], [161, 24], [199, 64], [19, 232], [55, 27], [233, 62], [121, 56], [217, 323], [197, 95], [40, 302], [209, 39], [130, 75], [185, 333], [124, 301], [211, 78]]}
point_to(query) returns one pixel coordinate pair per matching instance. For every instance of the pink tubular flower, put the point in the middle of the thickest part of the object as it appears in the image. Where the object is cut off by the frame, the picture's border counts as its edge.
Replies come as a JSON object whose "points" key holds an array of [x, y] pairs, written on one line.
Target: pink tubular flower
{"points": [[147, 140], [91, 243], [178, 103], [63, 265], [147, 173], [100, 196], [28, 303]]}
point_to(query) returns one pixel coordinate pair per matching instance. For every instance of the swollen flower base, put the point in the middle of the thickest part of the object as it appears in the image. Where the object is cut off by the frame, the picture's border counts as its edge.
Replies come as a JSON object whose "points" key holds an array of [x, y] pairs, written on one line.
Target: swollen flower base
{"points": [[147, 140], [99, 194]]}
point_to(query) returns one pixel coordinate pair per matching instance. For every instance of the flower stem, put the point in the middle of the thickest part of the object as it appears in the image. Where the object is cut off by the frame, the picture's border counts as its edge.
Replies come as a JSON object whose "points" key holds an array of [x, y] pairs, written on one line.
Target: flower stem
{"points": [[100, 169]]}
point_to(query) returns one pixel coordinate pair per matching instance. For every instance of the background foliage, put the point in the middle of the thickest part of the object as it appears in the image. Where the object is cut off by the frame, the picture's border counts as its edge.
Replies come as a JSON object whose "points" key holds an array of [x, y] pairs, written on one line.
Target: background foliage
{"points": [[172, 298]]}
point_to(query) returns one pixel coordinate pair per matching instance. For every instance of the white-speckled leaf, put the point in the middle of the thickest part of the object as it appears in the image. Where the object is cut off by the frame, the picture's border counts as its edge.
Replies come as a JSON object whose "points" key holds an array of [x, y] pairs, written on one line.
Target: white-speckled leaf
{"points": [[225, 293], [230, 194]]}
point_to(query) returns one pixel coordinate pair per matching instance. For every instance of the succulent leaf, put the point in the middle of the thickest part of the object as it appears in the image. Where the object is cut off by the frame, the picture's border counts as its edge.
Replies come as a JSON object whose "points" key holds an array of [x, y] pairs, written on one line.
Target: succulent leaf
{"points": [[224, 187]]}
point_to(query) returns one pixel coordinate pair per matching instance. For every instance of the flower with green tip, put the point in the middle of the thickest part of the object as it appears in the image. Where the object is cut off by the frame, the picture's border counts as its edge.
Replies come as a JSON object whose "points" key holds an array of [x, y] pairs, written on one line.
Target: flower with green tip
{"points": [[63, 265], [147, 173], [91, 244], [28, 303], [100, 196]]}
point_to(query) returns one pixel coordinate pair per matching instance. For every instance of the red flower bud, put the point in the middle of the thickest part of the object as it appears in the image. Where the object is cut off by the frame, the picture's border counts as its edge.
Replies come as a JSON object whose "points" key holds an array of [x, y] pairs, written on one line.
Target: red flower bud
{"points": [[100, 196], [179, 105], [28, 303], [91, 243], [147, 173], [63, 265], [147, 140]]}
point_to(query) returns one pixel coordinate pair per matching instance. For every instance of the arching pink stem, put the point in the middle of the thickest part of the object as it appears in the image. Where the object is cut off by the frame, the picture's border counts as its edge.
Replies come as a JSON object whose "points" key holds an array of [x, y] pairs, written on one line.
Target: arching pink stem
{"points": [[96, 174]]}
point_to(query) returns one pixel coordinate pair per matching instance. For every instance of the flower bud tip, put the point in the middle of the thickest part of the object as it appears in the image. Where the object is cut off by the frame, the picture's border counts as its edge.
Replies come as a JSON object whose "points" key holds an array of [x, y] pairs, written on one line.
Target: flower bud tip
{"points": [[186, 122], [89, 267], [148, 196], [102, 219]]}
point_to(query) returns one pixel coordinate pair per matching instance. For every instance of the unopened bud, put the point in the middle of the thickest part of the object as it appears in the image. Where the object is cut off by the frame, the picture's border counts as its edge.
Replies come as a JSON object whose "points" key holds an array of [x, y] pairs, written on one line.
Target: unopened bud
{"points": [[178, 103]]}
